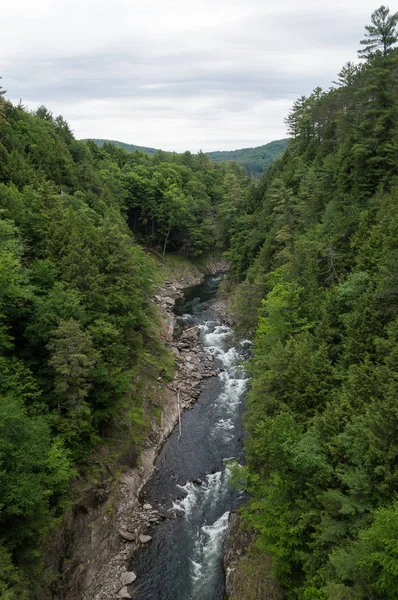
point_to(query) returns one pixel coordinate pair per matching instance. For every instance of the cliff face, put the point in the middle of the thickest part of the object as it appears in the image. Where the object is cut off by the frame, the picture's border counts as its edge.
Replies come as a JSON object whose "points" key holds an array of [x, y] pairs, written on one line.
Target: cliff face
{"points": [[247, 571]]}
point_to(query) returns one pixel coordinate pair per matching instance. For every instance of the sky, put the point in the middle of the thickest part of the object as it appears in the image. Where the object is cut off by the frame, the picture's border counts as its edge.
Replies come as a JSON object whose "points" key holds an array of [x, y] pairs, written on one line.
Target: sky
{"points": [[176, 74]]}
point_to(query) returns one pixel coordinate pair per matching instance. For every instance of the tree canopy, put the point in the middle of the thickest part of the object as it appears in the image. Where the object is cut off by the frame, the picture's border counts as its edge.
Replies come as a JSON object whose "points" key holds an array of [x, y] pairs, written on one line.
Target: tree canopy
{"points": [[78, 327], [313, 252]]}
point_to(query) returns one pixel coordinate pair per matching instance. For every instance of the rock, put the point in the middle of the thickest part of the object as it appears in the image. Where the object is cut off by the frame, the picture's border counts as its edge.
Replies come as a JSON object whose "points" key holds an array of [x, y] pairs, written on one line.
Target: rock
{"points": [[123, 593], [144, 539], [197, 481], [169, 301], [126, 535], [128, 578], [147, 507]]}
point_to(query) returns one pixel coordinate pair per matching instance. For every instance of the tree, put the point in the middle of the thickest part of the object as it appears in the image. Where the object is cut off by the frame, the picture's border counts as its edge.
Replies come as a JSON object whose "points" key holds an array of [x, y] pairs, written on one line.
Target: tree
{"points": [[381, 35], [347, 75], [2, 92], [73, 358]]}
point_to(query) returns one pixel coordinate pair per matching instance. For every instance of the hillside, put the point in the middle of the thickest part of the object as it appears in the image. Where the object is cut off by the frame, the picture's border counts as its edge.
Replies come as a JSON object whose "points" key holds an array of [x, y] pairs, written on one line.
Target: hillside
{"points": [[128, 147], [315, 251], [255, 160], [79, 332]]}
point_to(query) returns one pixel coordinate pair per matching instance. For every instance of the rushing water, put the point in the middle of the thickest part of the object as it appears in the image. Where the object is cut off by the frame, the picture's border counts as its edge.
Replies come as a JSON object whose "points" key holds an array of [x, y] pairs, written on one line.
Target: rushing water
{"points": [[183, 561]]}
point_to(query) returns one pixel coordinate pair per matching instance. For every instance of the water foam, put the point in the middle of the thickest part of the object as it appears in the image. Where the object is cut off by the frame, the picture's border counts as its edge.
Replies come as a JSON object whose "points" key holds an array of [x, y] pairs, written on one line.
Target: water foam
{"points": [[200, 497], [206, 554]]}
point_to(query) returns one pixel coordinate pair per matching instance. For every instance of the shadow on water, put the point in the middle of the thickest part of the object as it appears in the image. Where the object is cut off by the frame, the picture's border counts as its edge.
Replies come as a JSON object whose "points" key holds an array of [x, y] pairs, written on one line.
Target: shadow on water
{"points": [[183, 561]]}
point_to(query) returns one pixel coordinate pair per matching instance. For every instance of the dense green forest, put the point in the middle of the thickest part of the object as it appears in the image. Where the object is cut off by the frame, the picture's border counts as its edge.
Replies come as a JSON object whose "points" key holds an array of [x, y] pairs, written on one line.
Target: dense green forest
{"points": [[313, 252], [315, 247], [255, 161], [128, 147], [78, 329]]}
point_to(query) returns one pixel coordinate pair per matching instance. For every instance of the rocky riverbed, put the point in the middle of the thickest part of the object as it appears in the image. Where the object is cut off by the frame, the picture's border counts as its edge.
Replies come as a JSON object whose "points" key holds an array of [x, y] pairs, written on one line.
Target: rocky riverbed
{"points": [[101, 533]]}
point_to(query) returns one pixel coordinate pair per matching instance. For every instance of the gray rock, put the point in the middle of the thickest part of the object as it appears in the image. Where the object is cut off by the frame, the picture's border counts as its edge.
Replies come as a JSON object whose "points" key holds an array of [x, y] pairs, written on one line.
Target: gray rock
{"points": [[169, 301], [147, 507], [128, 578], [126, 535], [123, 593], [144, 539]]}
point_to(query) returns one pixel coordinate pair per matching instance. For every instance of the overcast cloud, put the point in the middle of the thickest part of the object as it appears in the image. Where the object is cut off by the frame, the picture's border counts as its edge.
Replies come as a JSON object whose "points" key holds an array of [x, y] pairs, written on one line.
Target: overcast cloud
{"points": [[176, 74]]}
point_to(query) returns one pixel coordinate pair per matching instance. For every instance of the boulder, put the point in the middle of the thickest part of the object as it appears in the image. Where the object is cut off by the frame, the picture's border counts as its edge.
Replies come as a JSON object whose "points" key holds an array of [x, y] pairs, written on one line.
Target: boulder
{"points": [[123, 593], [147, 506], [126, 535], [144, 539], [128, 578]]}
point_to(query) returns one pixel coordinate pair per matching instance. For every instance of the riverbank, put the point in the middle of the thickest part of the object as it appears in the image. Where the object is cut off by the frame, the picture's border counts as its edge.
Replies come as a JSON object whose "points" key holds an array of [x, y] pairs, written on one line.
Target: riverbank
{"points": [[183, 559], [103, 529]]}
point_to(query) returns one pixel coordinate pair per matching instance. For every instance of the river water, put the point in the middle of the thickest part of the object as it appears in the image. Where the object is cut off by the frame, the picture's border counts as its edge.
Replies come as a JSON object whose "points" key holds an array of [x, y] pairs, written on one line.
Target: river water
{"points": [[183, 561]]}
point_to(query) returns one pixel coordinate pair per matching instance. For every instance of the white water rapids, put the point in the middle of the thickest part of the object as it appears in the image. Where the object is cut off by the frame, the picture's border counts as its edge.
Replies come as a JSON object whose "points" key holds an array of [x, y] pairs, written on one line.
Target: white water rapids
{"points": [[183, 561]]}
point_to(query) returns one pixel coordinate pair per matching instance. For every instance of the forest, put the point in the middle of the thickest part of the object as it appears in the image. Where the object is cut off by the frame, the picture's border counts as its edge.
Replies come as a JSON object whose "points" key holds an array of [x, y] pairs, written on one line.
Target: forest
{"points": [[315, 252], [255, 160], [78, 329]]}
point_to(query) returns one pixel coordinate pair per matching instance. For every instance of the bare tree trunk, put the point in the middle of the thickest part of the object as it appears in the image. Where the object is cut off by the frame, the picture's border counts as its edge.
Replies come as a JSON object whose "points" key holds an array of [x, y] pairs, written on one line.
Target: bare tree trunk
{"points": [[165, 241]]}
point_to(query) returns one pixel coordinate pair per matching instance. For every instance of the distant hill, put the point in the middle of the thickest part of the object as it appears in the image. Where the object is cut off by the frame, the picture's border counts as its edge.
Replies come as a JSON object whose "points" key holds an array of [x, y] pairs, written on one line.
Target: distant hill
{"points": [[254, 160], [128, 147]]}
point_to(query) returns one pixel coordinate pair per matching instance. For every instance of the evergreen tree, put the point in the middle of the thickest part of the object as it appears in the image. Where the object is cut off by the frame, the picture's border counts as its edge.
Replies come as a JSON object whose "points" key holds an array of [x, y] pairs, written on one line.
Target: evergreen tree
{"points": [[381, 34]]}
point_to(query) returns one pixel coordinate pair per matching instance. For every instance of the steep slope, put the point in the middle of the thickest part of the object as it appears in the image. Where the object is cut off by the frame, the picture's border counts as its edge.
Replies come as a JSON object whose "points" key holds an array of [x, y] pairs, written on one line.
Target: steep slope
{"points": [[79, 331], [315, 248]]}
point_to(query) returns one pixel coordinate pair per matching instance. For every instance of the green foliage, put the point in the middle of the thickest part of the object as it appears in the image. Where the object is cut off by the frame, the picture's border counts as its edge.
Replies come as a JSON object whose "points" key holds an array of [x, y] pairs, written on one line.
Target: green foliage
{"points": [[314, 249], [255, 161], [128, 147], [77, 324], [381, 35]]}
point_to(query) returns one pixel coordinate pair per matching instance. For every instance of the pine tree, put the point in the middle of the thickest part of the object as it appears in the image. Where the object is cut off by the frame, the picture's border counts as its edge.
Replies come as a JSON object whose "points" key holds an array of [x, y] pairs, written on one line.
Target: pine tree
{"points": [[381, 35]]}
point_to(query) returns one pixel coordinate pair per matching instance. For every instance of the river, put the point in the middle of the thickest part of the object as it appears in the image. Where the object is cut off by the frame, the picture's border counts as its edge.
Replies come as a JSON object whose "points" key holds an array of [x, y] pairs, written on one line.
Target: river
{"points": [[183, 560]]}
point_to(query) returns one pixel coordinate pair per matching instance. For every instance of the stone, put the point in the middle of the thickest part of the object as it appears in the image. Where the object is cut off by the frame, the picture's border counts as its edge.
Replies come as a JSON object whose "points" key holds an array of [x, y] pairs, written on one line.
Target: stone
{"points": [[144, 539], [168, 301], [123, 593], [147, 506], [128, 578], [126, 535]]}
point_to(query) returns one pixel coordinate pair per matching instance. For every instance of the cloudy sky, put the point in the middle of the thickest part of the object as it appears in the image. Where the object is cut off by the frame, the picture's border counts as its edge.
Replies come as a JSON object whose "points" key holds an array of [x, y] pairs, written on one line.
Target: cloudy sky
{"points": [[176, 74]]}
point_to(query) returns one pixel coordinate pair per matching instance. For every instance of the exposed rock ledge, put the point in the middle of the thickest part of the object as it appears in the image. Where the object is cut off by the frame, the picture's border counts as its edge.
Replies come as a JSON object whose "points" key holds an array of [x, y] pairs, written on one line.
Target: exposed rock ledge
{"points": [[94, 548], [247, 570]]}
